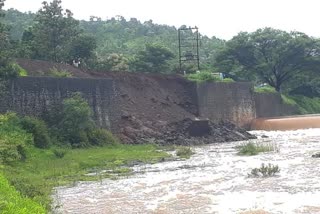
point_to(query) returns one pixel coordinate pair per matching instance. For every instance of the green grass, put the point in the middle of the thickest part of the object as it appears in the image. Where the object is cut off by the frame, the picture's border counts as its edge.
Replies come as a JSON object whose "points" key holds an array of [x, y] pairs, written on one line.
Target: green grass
{"points": [[226, 80], [42, 170], [288, 100], [264, 89], [203, 76], [11, 201], [251, 148], [54, 72], [21, 72]]}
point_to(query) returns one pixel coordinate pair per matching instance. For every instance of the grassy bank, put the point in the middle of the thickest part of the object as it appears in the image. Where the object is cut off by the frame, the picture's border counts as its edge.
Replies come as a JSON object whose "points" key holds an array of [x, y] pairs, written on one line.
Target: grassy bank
{"points": [[12, 202], [43, 170]]}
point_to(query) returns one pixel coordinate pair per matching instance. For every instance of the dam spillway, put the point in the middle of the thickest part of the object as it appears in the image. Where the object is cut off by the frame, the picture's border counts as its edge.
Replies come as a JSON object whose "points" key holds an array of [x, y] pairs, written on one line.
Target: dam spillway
{"points": [[286, 123]]}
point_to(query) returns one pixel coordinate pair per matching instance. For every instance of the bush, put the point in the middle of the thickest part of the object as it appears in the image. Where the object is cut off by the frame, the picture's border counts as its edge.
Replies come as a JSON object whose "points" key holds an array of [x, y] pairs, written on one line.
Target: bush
{"points": [[101, 137], [251, 148], [13, 139], [20, 71], [76, 121], [59, 153], [12, 202], [265, 170], [7, 69], [265, 89], [38, 129], [288, 100], [184, 152], [54, 72], [227, 80], [203, 76]]}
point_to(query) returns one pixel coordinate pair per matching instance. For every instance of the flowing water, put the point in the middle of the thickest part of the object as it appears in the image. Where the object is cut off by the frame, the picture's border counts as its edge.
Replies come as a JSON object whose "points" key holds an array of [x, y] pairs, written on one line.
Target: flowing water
{"points": [[214, 180]]}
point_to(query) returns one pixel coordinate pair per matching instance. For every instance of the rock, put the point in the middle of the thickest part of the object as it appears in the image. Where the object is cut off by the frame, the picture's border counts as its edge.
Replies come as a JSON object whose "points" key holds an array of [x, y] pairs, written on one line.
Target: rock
{"points": [[317, 155]]}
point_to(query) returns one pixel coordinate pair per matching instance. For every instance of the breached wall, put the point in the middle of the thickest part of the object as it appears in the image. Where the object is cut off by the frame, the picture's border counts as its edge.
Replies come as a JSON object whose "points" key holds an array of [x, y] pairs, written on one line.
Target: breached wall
{"points": [[148, 99]]}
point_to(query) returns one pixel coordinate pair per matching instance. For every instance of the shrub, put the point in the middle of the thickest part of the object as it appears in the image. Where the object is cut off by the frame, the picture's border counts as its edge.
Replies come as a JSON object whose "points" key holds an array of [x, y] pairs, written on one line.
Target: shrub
{"points": [[288, 100], [12, 202], [265, 89], [101, 137], [265, 170], [184, 152], [252, 148], [20, 71], [59, 153], [54, 72], [7, 68], [76, 121], [203, 76], [13, 139], [38, 129], [227, 80]]}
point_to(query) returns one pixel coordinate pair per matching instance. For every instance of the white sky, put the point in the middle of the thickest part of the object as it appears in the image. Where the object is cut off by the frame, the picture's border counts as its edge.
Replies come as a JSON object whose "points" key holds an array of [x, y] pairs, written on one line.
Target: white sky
{"points": [[220, 18]]}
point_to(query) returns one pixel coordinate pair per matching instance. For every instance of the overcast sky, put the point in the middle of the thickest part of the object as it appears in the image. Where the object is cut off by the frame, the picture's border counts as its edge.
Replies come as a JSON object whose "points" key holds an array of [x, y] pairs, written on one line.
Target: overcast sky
{"points": [[220, 18]]}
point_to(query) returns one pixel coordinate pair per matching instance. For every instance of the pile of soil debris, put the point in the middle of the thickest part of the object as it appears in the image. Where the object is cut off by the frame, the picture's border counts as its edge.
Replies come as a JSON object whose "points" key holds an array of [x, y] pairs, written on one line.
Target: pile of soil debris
{"points": [[185, 132]]}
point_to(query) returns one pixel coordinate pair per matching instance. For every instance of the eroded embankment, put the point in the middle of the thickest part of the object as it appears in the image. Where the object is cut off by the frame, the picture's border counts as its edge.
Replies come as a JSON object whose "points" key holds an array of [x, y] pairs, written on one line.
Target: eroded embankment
{"points": [[214, 180]]}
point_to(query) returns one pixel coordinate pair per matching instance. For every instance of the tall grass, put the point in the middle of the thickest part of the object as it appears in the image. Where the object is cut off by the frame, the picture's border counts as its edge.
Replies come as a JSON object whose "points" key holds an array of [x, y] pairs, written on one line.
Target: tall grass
{"points": [[252, 148]]}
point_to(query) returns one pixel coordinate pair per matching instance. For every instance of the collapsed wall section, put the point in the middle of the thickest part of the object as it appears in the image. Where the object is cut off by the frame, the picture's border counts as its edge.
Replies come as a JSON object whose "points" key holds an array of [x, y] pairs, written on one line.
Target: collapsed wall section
{"points": [[36, 95], [232, 102]]}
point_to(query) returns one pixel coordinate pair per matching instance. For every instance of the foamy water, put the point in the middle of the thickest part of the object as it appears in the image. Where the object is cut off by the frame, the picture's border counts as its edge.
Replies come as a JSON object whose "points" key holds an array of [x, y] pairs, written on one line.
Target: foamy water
{"points": [[214, 180]]}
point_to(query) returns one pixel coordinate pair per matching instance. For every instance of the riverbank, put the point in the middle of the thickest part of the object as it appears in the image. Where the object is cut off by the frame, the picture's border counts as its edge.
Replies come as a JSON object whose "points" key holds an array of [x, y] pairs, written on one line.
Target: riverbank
{"points": [[43, 170]]}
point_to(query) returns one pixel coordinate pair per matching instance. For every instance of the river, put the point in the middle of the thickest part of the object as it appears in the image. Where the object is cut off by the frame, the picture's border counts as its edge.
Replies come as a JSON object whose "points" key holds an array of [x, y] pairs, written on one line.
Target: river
{"points": [[214, 180]]}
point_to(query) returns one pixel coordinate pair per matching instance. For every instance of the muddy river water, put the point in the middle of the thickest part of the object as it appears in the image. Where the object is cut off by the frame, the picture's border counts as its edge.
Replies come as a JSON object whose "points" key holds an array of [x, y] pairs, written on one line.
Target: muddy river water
{"points": [[214, 180]]}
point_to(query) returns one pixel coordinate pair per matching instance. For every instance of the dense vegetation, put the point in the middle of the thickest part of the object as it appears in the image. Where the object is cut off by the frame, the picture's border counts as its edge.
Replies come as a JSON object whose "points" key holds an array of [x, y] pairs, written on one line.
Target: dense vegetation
{"points": [[36, 156]]}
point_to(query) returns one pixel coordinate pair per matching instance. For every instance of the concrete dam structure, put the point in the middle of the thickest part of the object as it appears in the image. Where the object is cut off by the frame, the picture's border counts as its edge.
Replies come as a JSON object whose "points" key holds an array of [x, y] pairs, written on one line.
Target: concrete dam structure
{"points": [[142, 104]]}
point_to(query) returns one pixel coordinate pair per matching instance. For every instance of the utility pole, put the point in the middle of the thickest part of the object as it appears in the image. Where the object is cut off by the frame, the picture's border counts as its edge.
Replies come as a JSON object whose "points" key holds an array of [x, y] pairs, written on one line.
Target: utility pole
{"points": [[189, 43]]}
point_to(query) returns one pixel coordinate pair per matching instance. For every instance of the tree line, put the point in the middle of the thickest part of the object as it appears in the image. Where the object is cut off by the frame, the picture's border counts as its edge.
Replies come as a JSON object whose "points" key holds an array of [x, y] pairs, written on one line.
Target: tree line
{"points": [[284, 60]]}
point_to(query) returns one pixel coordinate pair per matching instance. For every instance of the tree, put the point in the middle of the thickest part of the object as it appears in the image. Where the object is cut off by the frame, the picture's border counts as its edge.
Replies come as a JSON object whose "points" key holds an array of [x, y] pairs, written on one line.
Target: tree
{"points": [[270, 55], [82, 47], [7, 70], [76, 121], [54, 30], [113, 62], [154, 58]]}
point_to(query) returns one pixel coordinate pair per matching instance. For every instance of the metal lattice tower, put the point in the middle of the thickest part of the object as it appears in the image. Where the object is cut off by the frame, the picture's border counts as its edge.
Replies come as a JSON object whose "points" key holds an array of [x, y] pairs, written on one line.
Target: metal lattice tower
{"points": [[189, 42]]}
